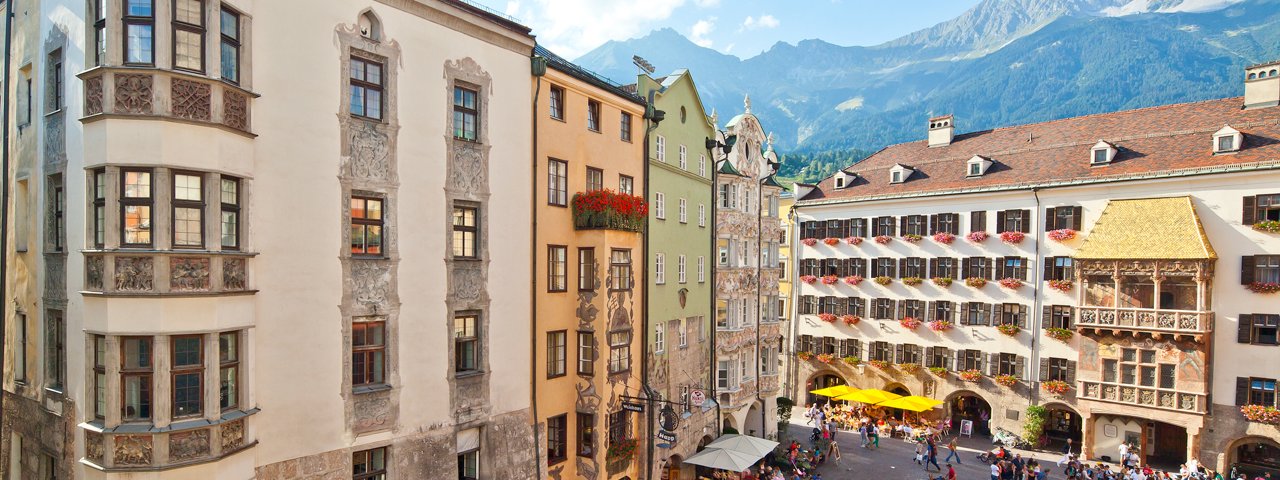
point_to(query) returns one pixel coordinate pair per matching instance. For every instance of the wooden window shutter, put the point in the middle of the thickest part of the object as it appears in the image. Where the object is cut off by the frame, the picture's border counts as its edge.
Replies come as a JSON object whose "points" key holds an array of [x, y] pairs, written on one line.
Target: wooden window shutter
{"points": [[959, 359], [1026, 221], [1048, 267], [1000, 222], [933, 268], [928, 310], [1050, 219], [1046, 317], [1071, 372], [996, 316], [928, 357], [863, 229], [841, 305], [993, 364], [1025, 271], [1247, 267], [1077, 218], [964, 266], [1020, 367], [977, 221], [933, 224], [1242, 391], [1044, 369], [1244, 332], [864, 268], [986, 273], [902, 222], [1250, 214], [902, 267], [946, 358], [804, 230], [899, 353], [1022, 317]]}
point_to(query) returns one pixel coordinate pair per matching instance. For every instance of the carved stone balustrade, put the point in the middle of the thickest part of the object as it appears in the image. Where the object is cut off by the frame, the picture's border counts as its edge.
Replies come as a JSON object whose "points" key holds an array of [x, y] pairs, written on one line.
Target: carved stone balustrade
{"points": [[146, 448], [1154, 321], [160, 273], [1160, 398], [163, 94]]}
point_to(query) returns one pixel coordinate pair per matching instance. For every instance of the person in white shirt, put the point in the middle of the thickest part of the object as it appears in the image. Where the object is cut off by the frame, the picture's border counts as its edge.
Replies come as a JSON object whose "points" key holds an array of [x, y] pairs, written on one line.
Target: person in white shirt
{"points": [[995, 470]]}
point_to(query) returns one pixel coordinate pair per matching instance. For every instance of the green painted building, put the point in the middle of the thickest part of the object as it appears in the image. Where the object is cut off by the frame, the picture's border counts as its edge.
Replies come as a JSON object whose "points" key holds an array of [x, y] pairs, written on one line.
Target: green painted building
{"points": [[681, 223]]}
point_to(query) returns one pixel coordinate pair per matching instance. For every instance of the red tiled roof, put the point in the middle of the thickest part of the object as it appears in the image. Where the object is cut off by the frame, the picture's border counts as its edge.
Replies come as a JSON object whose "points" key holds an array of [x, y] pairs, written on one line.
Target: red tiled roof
{"points": [[1163, 139]]}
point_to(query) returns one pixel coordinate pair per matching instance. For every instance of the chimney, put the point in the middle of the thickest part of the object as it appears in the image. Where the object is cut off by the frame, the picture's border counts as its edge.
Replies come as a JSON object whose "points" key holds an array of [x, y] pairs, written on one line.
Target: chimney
{"points": [[1262, 85], [941, 131]]}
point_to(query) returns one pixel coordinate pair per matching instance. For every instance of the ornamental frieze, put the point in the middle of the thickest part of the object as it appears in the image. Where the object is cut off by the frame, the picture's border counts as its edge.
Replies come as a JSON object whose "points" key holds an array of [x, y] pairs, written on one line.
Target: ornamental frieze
{"points": [[133, 94], [190, 100], [132, 450], [189, 445], [232, 435], [93, 95], [135, 274], [233, 274], [370, 152], [188, 274]]}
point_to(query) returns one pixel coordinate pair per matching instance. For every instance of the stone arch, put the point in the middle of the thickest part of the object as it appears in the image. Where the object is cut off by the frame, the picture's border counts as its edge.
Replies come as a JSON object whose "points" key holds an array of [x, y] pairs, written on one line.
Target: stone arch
{"points": [[959, 408], [1063, 422], [1233, 448], [820, 379], [898, 388], [369, 24], [729, 423]]}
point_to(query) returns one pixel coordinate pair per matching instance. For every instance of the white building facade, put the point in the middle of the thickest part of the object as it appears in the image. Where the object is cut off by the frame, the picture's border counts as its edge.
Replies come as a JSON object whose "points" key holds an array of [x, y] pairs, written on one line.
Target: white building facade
{"points": [[265, 239], [1122, 284]]}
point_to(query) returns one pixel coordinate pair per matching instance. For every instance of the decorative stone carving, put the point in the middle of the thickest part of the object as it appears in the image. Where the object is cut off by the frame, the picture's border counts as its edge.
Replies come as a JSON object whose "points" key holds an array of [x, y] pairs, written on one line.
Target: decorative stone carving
{"points": [[191, 100], [1166, 399], [93, 95], [468, 172], [372, 412], [235, 109], [55, 139], [233, 274], [93, 271], [1188, 402], [135, 274], [93, 448], [371, 282], [132, 450], [188, 274], [232, 434], [133, 93], [370, 152], [188, 445], [55, 277], [468, 282]]}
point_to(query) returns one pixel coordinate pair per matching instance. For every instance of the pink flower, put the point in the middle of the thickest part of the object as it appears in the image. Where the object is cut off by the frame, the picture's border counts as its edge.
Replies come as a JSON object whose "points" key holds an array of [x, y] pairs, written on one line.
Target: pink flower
{"points": [[883, 239], [1061, 235], [911, 237], [855, 241], [1012, 238], [1060, 285], [944, 238], [853, 280], [827, 317], [809, 279], [1010, 283], [830, 279], [977, 237], [809, 242], [909, 323]]}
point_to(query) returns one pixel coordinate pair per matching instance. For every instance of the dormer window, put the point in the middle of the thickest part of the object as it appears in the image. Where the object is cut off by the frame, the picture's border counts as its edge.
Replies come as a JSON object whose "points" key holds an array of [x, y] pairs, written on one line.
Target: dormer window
{"points": [[840, 181], [844, 180], [1227, 140], [1102, 153], [899, 173], [977, 166]]}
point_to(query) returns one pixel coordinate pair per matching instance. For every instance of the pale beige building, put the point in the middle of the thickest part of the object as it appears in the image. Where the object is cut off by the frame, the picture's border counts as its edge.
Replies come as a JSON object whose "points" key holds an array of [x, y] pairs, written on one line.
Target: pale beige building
{"points": [[268, 239]]}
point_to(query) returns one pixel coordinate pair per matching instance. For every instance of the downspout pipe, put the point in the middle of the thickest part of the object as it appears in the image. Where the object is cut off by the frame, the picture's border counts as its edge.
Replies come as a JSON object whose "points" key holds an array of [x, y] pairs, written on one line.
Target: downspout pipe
{"points": [[651, 119], [538, 68], [764, 417], [715, 271], [4, 184], [1037, 275]]}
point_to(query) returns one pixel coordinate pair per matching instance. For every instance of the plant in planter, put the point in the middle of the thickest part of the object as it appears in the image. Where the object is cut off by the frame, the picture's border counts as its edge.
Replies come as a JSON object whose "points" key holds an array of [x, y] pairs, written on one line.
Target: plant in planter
{"points": [[943, 282], [1012, 238], [826, 357], [944, 238], [939, 371], [1056, 387], [855, 241], [909, 323], [912, 281], [941, 325], [851, 361], [977, 237], [809, 242], [621, 450], [803, 355], [975, 282], [1061, 235], [1006, 380], [831, 241], [1268, 226], [1059, 334], [909, 367], [853, 280], [881, 364], [1009, 329], [1261, 414], [911, 237], [883, 280], [830, 279], [827, 317], [809, 279], [1010, 283], [1264, 287], [971, 375], [883, 239], [1060, 285], [609, 210], [851, 320]]}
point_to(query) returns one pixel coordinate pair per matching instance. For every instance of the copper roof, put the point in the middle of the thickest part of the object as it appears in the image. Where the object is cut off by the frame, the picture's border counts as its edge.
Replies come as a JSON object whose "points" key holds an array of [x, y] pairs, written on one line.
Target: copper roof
{"points": [[1148, 229], [1165, 139]]}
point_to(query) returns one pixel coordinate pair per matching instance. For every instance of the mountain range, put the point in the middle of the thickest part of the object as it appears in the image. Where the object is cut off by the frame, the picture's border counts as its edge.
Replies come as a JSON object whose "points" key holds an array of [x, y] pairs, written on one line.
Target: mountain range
{"points": [[1003, 62]]}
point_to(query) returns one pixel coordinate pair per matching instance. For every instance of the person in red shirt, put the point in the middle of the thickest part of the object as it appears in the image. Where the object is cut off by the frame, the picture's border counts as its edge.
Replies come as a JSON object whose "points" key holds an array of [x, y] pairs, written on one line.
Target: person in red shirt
{"points": [[951, 472]]}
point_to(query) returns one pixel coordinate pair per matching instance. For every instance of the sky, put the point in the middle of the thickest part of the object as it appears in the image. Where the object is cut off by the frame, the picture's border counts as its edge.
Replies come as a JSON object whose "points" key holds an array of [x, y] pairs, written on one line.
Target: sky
{"points": [[737, 27]]}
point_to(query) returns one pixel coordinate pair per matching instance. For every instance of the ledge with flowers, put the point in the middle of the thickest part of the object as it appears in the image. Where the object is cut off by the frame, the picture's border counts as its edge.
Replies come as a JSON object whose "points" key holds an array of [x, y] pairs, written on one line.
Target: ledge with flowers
{"points": [[1261, 414], [609, 210]]}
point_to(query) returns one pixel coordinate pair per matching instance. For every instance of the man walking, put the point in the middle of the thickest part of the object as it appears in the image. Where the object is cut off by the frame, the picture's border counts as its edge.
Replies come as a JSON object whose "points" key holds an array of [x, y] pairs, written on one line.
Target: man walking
{"points": [[931, 455], [951, 448]]}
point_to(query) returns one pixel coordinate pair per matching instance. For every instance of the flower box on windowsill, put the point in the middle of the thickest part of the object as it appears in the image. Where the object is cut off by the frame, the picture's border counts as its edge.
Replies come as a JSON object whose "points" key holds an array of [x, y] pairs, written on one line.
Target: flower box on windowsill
{"points": [[941, 325], [1010, 283], [1263, 287], [853, 280], [1267, 226], [809, 279], [883, 239], [912, 238], [1061, 285], [809, 242], [831, 241], [1059, 334], [1006, 380], [944, 238], [1061, 235], [909, 323], [1009, 329], [855, 241], [830, 279], [883, 280], [827, 317], [621, 450], [912, 281], [1261, 414], [1056, 387], [851, 361], [826, 358], [1012, 238], [971, 375], [909, 367], [804, 356], [881, 364], [977, 237], [943, 282], [975, 282], [938, 371], [609, 210], [851, 320]]}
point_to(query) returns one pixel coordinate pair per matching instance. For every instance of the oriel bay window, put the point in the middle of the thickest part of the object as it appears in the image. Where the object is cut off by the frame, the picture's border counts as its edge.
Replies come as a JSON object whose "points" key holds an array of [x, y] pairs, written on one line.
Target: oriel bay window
{"points": [[99, 32], [368, 352], [466, 232], [139, 32], [366, 88], [466, 343], [366, 226], [188, 35], [230, 220], [228, 370], [135, 202], [230, 47], [586, 434], [99, 207], [586, 353], [135, 378], [99, 376], [188, 375], [557, 439], [188, 210], [466, 114], [55, 350]]}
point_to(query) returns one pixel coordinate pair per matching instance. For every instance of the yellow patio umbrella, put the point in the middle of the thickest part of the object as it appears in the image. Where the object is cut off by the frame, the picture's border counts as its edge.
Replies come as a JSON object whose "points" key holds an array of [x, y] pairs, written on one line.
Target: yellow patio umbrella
{"points": [[913, 403], [834, 391], [870, 396]]}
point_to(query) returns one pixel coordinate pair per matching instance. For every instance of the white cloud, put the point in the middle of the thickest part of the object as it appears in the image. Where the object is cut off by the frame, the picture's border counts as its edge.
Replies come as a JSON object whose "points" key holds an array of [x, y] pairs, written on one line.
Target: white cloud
{"points": [[706, 3], [728, 48], [698, 33], [765, 21], [573, 27]]}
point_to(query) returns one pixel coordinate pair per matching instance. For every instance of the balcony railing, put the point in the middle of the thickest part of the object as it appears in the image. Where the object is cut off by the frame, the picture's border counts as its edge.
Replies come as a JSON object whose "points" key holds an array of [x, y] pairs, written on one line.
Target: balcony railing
{"points": [[1145, 319], [608, 210], [1160, 398], [166, 273]]}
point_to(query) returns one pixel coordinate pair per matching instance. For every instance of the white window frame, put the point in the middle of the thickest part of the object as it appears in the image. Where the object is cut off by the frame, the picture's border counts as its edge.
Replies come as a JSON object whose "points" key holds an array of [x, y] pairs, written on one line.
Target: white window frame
{"points": [[684, 211], [681, 270], [702, 269], [684, 157], [659, 338], [660, 205], [702, 165], [659, 268], [682, 334], [702, 215], [661, 148]]}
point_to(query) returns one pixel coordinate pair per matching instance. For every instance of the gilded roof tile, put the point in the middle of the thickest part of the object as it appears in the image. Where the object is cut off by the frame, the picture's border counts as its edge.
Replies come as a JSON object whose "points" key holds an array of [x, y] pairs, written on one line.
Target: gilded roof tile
{"points": [[1148, 229]]}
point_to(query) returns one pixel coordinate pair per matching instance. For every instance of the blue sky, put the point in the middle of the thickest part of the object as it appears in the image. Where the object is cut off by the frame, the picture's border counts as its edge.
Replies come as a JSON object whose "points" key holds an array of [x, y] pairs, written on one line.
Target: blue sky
{"points": [[738, 27]]}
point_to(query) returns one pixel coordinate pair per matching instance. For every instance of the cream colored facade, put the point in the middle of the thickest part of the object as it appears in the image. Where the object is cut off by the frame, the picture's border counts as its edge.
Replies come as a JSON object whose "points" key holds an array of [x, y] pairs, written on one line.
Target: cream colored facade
{"points": [[589, 331], [247, 326]]}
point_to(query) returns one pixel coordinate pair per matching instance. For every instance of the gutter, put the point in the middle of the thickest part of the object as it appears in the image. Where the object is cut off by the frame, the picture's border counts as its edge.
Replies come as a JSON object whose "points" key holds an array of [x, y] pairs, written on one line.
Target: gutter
{"points": [[533, 263], [1037, 305], [644, 300], [715, 271], [4, 183], [793, 368]]}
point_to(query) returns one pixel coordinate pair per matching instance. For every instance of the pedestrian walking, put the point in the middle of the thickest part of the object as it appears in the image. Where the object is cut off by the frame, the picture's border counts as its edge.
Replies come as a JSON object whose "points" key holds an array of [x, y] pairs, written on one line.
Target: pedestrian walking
{"points": [[931, 452], [951, 447], [866, 436], [875, 435]]}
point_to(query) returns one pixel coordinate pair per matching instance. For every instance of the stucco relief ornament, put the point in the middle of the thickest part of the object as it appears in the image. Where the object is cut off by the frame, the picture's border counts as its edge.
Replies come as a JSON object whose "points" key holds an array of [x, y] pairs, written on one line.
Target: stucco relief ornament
{"points": [[133, 93], [55, 139], [370, 282], [370, 151], [468, 168], [134, 274], [133, 450], [93, 95], [233, 274], [235, 110], [189, 445], [189, 274], [371, 412], [93, 268], [232, 434], [190, 99]]}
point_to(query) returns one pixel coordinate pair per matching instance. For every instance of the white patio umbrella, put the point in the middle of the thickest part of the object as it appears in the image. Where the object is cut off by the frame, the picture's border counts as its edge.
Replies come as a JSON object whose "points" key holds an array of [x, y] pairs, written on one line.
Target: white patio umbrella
{"points": [[722, 459], [747, 444]]}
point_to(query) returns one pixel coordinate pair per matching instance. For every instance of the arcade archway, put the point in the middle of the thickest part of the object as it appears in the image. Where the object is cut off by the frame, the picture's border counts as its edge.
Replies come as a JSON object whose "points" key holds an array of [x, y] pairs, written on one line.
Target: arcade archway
{"points": [[1255, 456], [966, 406], [753, 423], [822, 380], [1062, 423], [899, 389]]}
